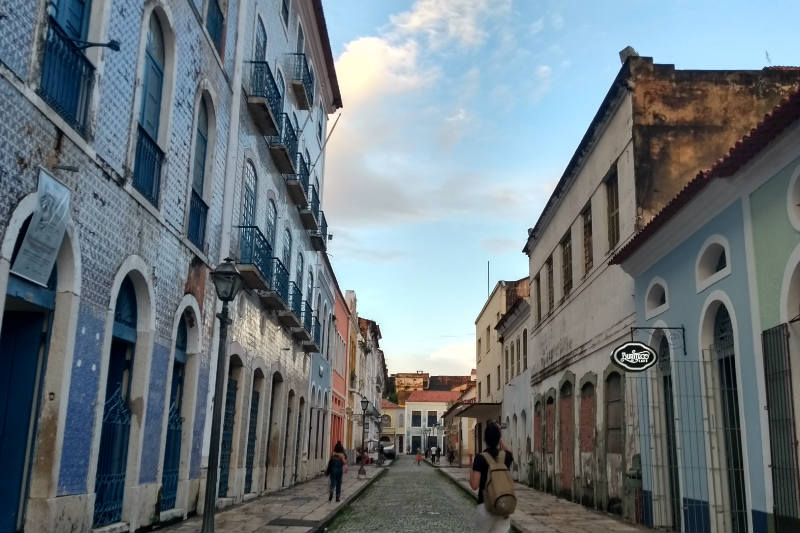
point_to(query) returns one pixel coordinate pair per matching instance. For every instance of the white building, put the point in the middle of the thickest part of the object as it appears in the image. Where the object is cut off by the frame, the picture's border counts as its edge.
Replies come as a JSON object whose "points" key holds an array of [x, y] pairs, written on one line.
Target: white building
{"points": [[423, 417]]}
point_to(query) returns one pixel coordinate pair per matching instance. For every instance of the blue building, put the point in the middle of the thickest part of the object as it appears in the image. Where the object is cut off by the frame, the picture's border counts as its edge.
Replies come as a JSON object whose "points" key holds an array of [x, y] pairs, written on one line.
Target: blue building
{"points": [[713, 455]]}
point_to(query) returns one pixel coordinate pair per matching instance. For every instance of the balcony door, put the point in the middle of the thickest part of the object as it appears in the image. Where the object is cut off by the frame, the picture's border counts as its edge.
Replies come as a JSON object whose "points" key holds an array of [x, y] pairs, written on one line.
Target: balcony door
{"points": [[73, 17]]}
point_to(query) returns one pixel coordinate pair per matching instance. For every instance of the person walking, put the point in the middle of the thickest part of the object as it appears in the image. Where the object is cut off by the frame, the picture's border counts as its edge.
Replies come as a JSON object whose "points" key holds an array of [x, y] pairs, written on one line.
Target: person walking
{"points": [[497, 449], [335, 470], [419, 456]]}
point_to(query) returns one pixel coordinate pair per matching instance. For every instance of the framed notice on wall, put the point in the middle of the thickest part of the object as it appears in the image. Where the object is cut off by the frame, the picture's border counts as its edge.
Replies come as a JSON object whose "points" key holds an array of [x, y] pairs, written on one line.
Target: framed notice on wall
{"points": [[41, 243]]}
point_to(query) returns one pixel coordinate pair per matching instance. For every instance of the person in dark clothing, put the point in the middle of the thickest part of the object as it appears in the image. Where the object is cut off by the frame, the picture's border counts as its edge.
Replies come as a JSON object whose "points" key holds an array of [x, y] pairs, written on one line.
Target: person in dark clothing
{"points": [[480, 471], [336, 469]]}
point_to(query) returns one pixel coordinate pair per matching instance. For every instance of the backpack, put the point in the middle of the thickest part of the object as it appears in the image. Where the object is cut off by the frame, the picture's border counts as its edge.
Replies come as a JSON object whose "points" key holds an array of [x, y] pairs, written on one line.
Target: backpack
{"points": [[498, 495]]}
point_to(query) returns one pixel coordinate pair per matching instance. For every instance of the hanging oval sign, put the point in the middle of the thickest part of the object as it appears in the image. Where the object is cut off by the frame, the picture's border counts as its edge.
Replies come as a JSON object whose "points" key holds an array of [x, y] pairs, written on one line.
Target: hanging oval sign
{"points": [[634, 356]]}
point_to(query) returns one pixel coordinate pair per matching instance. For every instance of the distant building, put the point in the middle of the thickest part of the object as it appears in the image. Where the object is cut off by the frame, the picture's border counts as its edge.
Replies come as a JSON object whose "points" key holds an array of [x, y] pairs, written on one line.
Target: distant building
{"points": [[423, 412]]}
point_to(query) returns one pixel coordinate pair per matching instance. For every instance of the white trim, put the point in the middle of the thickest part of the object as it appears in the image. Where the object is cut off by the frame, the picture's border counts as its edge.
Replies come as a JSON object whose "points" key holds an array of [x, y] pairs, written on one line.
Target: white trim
{"points": [[703, 283], [706, 323], [793, 199], [758, 351], [792, 265], [651, 312]]}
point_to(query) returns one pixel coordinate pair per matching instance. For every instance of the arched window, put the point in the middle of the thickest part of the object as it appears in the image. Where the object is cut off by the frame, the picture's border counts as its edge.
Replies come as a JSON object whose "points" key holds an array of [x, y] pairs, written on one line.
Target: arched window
{"points": [[197, 205], [525, 349], [299, 271], [249, 195], [281, 84], [310, 288], [272, 215], [712, 263], [287, 249], [261, 42], [149, 156]]}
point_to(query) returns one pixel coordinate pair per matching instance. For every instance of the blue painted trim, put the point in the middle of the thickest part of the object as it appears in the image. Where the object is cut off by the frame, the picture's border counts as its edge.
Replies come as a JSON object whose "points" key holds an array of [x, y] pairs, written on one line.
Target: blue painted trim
{"points": [[696, 516], [121, 331], [760, 522], [31, 292]]}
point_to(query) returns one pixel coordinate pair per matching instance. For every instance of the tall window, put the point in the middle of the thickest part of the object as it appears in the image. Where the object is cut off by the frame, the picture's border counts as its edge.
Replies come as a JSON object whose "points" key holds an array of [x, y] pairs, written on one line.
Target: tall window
{"points": [[432, 418], [298, 276], [261, 42], [566, 264], [319, 124], [272, 215], [249, 195], [281, 84], [615, 410], [488, 383], [511, 354], [301, 39], [612, 195], [550, 296], [287, 249], [498, 377], [416, 419], [310, 287], [479, 349], [479, 392], [519, 355], [285, 12], [537, 291], [147, 167], [215, 24], [487, 339], [525, 349], [588, 258], [506, 364], [197, 206]]}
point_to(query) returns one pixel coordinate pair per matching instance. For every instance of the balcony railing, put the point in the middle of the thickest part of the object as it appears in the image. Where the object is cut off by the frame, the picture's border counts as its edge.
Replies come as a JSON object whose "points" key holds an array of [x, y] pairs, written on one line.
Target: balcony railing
{"points": [[255, 255], [297, 184], [280, 280], [317, 331], [67, 78], [284, 145], [198, 211], [303, 82], [264, 97], [319, 237], [147, 167], [215, 23], [308, 317], [295, 300], [309, 213]]}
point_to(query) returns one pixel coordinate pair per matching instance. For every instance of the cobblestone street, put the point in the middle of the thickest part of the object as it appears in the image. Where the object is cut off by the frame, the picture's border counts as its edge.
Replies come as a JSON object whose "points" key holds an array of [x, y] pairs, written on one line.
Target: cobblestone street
{"points": [[408, 498]]}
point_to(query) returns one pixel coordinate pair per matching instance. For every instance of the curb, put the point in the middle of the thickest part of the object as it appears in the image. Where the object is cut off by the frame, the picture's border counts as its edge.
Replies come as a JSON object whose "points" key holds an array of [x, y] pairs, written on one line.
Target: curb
{"points": [[327, 519]]}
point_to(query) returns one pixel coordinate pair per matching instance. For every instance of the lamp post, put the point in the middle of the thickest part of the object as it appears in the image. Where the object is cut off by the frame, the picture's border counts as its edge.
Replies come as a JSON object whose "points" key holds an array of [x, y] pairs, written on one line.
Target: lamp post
{"points": [[227, 282], [364, 404]]}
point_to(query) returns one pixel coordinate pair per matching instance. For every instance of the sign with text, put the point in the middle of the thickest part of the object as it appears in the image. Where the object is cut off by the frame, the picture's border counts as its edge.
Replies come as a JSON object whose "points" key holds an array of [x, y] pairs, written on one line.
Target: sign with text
{"points": [[42, 240], [634, 356]]}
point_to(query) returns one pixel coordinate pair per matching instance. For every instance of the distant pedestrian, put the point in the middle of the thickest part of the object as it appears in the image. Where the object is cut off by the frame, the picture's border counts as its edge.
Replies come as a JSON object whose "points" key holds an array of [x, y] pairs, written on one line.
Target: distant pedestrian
{"points": [[438, 454], [336, 466], [419, 456], [499, 453]]}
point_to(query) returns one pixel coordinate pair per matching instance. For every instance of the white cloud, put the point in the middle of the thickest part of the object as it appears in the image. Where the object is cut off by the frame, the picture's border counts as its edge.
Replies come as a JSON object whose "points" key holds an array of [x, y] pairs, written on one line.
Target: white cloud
{"points": [[502, 245], [442, 21], [557, 21], [537, 26], [455, 127], [542, 79], [451, 360]]}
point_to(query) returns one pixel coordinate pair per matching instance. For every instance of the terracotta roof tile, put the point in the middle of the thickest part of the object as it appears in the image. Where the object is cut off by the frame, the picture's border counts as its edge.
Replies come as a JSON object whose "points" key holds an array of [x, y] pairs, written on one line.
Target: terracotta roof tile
{"points": [[386, 404], [433, 396]]}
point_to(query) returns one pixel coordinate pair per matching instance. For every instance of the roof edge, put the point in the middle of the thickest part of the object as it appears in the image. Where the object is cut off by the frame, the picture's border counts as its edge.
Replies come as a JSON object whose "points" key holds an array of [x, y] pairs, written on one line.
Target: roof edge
{"points": [[326, 47]]}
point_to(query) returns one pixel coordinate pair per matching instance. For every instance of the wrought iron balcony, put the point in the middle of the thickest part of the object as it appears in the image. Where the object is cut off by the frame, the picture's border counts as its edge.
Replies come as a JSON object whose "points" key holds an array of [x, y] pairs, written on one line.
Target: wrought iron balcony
{"points": [[292, 317], [309, 214], [276, 296], [147, 167], [303, 82], [215, 22], [283, 145], [255, 255], [67, 78], [198, 211], [297, 184], [303, 333], [308, 318], [263, 98], [314, 344], [319, 238]]}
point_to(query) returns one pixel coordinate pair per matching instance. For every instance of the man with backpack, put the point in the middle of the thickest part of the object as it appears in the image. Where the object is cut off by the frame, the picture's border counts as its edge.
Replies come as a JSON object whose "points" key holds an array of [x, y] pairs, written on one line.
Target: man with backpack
{"points": [[491, 478]]}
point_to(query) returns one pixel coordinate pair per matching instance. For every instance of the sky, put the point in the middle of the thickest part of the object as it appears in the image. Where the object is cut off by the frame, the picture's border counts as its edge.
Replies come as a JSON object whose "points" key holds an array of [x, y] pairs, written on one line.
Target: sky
{"points": [[458, 119]]}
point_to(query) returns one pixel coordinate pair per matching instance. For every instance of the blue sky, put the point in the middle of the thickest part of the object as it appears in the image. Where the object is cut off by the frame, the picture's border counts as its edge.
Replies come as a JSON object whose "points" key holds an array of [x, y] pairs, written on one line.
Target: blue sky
{"points": [[459, 118]]}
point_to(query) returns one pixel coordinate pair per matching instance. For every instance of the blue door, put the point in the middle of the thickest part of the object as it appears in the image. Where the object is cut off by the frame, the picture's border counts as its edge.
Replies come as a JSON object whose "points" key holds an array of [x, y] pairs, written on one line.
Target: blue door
{"points": [[115, 432], [251, 442], [21, 346], [227, 438], [172, 449]]}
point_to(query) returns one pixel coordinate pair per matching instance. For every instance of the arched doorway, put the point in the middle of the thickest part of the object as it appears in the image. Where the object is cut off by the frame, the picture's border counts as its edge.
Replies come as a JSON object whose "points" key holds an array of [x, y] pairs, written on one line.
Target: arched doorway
{"points": [[228, 423], [586, 439], [24, 341], [273, 426], [287, 427], [299, 438], [116, 425], [550, 443], [670, 450], [172, 449], [252, 430], [727, 408], [566, 439]]}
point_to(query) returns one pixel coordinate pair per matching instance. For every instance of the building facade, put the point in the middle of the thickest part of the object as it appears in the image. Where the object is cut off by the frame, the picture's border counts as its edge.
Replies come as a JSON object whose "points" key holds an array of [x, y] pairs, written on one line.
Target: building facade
{"points": [[423, 412], [637, 153], [714, 275], [339, 335]]}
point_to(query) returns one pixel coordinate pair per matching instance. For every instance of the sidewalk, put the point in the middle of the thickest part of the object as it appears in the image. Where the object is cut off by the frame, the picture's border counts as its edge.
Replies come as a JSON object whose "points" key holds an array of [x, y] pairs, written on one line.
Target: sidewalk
{"points": [[301, 508], [544, 513]]}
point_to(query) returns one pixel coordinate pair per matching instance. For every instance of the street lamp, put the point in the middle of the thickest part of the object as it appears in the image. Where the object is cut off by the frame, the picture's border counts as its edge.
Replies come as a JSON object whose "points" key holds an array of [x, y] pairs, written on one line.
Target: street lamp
{"points": [[227, 282], [364, 404]]}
